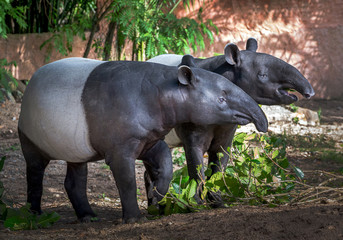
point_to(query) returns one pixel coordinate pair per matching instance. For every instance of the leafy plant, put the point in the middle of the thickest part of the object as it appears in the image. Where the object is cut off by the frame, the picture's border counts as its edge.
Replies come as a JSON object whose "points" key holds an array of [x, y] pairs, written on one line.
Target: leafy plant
{"points": [[16, 13], [68, 19], [319, 112], [295, 120], [255, 175], [153, 29], [293, 108], [22, 218], [179, 157], [6, 78], [309, 142]]}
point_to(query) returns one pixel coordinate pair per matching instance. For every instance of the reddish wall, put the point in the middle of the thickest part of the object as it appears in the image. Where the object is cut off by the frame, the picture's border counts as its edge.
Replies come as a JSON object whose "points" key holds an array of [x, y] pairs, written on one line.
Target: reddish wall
{"points": [[25, 50], [306, 33]]}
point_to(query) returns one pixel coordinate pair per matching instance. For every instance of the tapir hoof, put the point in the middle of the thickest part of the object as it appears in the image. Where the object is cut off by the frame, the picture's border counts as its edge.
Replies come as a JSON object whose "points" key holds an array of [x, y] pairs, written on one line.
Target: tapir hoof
{"points": [[88, 219], [135, 220], [36, 212], [216, 200]]}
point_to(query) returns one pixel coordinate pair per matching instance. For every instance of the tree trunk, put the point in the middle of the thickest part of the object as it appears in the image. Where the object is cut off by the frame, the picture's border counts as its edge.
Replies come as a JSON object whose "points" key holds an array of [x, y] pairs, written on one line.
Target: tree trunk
{"points": [[109, 40], [90, 40]]}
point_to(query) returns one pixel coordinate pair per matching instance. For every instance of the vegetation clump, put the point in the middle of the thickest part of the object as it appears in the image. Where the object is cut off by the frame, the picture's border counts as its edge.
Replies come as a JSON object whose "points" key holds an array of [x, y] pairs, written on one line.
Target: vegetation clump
{"points": [[259, 174], [22, 218]]}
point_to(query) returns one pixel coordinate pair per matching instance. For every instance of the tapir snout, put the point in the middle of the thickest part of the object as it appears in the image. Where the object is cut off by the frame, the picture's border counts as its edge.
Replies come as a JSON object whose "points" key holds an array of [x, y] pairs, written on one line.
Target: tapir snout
{"points": [[247, 111], [296, 81]]}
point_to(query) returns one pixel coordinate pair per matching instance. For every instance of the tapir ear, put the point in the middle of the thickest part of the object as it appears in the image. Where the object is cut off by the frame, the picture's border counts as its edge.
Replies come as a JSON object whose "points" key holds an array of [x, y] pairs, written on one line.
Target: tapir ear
{"points": [[232, 54], [188, 60], [252, 44], [185, 75]]}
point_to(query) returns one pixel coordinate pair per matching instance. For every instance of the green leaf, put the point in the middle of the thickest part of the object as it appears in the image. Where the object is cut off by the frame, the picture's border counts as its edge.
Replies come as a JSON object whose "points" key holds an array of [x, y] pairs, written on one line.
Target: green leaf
{"points": [[16, 223], [47, 219], [153, 210], [250, 137], [275, 154], [176, 187], [299, 173], [191, 189], [239, 138], [208, 172]]}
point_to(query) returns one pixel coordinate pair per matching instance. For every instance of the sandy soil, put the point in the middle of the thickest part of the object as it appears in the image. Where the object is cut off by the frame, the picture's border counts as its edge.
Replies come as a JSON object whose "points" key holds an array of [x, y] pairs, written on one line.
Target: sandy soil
{"points": [[310, 221]]}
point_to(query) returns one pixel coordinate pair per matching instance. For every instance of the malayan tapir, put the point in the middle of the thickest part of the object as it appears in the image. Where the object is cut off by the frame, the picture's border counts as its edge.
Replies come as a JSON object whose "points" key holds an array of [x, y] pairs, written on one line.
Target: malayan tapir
{"points": [[81, 110], [265, 78]]}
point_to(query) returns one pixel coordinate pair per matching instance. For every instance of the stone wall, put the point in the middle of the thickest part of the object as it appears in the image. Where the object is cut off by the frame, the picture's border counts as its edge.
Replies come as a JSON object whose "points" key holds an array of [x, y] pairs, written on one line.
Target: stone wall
{"points": [[306, 33]]}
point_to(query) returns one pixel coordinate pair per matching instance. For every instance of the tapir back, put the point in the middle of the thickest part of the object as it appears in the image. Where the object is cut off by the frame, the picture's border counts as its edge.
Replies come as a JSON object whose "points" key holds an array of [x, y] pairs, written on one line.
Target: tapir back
{"points": [[167, 59], [52, 115]]}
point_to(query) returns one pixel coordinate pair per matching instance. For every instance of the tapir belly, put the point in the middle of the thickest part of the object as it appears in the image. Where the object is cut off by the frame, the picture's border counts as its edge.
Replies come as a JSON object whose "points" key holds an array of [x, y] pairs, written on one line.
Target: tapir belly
{"points": [[52, 115]]}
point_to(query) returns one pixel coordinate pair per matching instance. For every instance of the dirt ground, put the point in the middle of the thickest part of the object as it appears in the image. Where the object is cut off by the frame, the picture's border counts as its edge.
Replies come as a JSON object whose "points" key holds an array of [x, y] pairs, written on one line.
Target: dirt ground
{"points": [[310, 221]]}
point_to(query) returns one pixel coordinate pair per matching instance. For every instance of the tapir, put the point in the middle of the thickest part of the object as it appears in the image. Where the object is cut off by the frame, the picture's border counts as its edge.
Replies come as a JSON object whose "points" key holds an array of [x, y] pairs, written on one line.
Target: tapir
{"points": [[81, 110], [265, 78]]}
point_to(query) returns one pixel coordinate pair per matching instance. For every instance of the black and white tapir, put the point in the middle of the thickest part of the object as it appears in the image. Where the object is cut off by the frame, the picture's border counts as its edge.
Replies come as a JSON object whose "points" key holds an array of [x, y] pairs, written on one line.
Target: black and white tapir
{"points": [[81, 110], [265, 78]]}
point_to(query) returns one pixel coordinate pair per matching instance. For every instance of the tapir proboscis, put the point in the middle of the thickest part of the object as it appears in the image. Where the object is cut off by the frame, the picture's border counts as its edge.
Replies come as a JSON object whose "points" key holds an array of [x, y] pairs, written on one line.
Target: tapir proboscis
{"points": [[265, 78], [81, 110]]}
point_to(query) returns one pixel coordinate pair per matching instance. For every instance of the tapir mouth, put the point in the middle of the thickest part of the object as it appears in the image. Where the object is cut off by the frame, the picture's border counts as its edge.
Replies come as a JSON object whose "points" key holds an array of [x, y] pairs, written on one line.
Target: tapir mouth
{"points": [[260, 122], [286, 92], [243, 119]]}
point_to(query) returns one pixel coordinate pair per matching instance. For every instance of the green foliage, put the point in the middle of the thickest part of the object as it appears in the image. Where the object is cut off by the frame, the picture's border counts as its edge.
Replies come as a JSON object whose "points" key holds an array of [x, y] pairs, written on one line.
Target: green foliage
{"points": [[255, 175], [295, 120], [22, 218], [105, 166], [293, 108], [16, 13], [6, 78], [319, 112], [332, 155], [67, 21], [150, 25], [309, 142], [179, 157], [153, 29]]}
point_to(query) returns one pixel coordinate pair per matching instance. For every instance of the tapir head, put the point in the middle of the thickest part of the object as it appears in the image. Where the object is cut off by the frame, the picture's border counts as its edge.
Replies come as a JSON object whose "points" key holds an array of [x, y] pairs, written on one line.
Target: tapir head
{"points": [[265, 78], [211, 99]]}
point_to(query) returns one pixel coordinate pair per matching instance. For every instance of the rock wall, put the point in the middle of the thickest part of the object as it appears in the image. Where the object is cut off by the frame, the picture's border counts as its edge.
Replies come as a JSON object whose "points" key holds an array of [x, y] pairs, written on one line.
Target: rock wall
{"points": [[306, 33]]}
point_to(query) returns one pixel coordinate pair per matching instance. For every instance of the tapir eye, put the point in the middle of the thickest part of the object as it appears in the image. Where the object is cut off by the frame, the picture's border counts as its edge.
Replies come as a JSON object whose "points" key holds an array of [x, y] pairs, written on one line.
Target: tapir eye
{"points": [[262, 76], [221, 100]]}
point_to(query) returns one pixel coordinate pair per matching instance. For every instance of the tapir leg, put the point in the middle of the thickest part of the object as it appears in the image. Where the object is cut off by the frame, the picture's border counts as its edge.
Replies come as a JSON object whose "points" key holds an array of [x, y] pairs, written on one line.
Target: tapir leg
{"points": [[123, 169], [217, 164], [36, 162], [76, 184], [159, 171], [222, 140], [195, 140]]}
